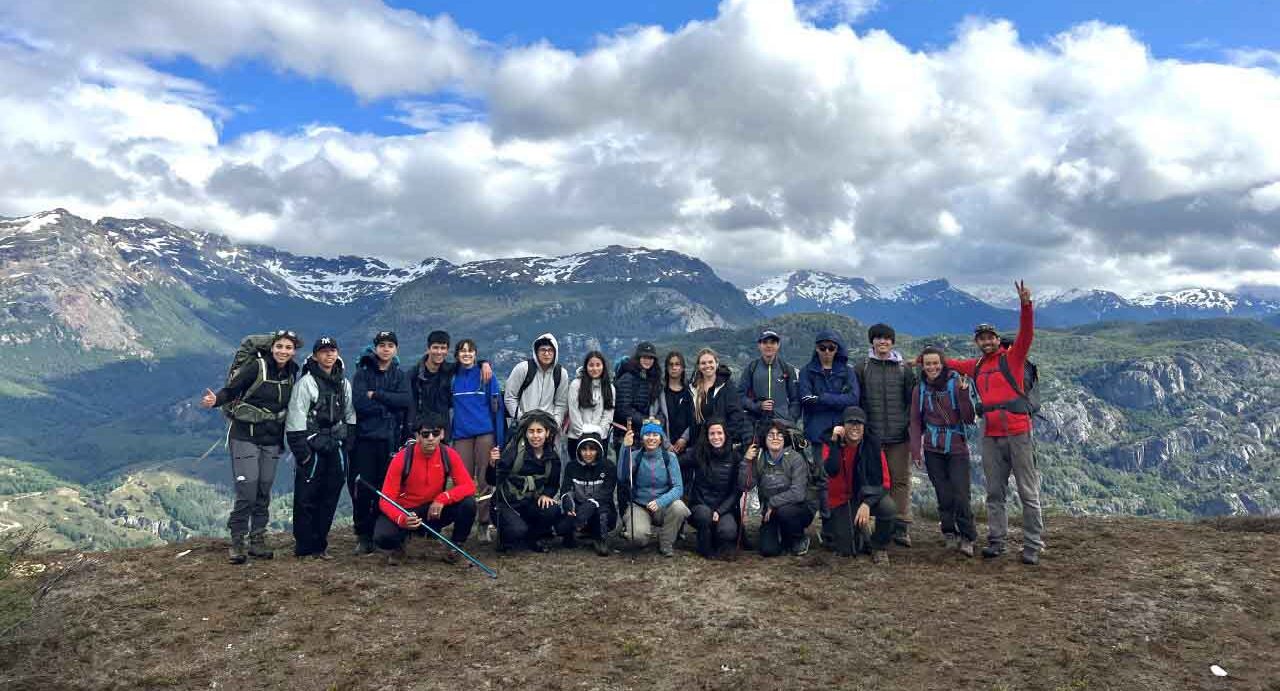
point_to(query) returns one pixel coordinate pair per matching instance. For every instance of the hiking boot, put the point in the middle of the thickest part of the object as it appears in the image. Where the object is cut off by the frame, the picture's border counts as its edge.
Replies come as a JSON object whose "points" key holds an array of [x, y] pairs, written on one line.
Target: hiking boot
{"points": [[950, 541], [601, 547], [322, 556], [801, 547], [236, 553], [538, 546], [991, 551], [363, 546], [879, 557], [258, 546], [451, 557], [666, 550], [486, 534], [966, 547], [394, 557], [1030, 556], [902, 538]]}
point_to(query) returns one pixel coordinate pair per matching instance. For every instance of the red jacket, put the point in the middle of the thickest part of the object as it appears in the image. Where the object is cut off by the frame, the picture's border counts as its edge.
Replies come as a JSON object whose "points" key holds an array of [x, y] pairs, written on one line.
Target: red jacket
{"points": [[993, 388], [847, 480], [425, 483]]}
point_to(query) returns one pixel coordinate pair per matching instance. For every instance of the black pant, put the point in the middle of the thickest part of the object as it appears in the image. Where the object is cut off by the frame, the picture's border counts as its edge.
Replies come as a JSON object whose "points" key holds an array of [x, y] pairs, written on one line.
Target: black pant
{"points": [[949, 473], [849, 539], [598, 520], [462, 515], [714, 535], [317, 487], [784, 529], [520, 523], [369, 460]]}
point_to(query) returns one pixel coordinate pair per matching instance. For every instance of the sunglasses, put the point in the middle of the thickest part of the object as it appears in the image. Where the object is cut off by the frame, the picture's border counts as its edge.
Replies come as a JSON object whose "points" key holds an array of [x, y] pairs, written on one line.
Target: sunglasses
{"points": [[437, 432], [774, 433], [826, 349], [282, 333]]}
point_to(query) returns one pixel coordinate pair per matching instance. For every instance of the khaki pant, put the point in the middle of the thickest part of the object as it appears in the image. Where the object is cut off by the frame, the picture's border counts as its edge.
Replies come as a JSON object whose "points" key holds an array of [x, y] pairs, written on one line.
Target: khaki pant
{"points": [[1001, 457], [899, 457], [637, 524], [475, 455]]}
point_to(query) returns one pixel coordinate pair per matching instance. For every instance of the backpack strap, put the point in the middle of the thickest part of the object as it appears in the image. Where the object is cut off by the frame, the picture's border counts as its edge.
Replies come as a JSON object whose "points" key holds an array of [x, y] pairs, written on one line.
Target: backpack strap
{"points": [[1008, 375], [530, 371], [750, 374]]}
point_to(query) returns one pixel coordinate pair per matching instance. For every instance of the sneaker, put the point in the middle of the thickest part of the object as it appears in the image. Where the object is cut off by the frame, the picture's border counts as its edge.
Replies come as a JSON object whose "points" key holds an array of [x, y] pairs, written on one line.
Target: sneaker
{"points": [[950, 541], [363, 546], [236, 553], [601, 547], [991, 551], [966, 547], [451, 557], [1030, 556], [801, 547], [666, 550], [323, 556], [902, 539], [879, 557], [487, 534]]}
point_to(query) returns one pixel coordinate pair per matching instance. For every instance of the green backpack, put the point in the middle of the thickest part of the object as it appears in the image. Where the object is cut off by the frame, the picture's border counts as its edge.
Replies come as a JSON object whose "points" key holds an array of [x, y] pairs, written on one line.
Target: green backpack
{"points": [[253, 349]]}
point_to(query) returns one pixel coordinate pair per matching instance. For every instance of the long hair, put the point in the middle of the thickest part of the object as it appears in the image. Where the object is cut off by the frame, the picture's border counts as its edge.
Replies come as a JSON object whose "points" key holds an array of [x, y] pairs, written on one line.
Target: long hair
{"points": [[702, 449], [585, 397], [697, 383], [666, 367]]}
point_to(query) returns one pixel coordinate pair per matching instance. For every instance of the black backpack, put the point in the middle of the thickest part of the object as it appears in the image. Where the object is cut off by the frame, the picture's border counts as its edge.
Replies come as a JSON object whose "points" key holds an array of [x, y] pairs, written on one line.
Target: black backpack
{"points": [[531, 371], [253, 348], [409, 448], [1028, 399]]}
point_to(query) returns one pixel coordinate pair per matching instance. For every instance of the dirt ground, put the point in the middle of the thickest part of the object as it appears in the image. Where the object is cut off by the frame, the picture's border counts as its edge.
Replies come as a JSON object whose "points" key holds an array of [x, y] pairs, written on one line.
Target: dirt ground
{"points": [[1115, 604]]}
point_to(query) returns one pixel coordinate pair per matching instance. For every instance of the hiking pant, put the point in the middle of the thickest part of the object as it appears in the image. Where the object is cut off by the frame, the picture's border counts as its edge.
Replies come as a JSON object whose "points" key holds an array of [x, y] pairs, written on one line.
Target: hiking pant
{"points": [[849, 539], [1000, 457], [474, 452], [316, 489], [253, 470], [523, 522], [949, 473], [369, 460], [899, 458], [597, 520], [388, 535], [713, 535], [637, 523], [784, 529]]}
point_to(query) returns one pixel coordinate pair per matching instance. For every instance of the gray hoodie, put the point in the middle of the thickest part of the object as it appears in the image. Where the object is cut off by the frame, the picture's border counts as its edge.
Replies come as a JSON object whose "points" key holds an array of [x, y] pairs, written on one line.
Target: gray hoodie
{"points": [[542, 393]]}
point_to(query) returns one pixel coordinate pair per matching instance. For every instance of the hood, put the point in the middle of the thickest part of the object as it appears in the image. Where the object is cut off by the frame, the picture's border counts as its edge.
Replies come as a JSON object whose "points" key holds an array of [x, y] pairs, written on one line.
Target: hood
{"points": [[723, 375], [313, 368], [369, 360], [894, 355], [554, 344], [842, 353], [591, 435]]}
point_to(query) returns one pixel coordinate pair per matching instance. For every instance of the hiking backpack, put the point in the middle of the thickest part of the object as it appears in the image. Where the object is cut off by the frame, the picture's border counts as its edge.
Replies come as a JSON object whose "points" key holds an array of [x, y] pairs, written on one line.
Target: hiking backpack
{"points": [[253, 348], [409, 448], [518, 439], [788, 373], [1027, 400], [926, 401], [531, 371]]}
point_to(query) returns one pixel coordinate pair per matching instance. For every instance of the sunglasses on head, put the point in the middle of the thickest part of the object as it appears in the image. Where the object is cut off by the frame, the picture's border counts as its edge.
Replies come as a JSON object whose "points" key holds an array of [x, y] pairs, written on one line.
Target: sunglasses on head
{"points": [[435, 432], [826, 348], [283, 333]]}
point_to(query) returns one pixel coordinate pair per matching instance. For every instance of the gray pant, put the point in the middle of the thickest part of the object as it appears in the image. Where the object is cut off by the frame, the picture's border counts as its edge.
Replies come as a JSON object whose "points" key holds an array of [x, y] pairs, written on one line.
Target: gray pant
{"points": [[637, 523], [253, 471], [1000, 457]]}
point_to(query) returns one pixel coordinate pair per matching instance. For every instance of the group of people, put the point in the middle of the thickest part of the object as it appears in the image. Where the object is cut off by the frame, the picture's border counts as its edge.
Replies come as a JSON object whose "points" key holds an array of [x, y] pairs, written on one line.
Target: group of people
{"points": [[635, 450]]}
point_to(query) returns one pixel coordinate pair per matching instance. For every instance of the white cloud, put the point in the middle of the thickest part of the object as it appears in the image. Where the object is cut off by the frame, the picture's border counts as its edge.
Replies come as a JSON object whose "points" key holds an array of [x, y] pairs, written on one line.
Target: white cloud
{"points": [[756, 140]]}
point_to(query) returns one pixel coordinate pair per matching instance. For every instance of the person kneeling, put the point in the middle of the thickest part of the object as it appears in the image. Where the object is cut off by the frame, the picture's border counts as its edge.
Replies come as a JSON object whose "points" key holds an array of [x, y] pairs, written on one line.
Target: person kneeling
{"points": [[651, 476], [715, 493], [858, 487], [782, 476], [526, 474], [418, 479], [586, 495]]}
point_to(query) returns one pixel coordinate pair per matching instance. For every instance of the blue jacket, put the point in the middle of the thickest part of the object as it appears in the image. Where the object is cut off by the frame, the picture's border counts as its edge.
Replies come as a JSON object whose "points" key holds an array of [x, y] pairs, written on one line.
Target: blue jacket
{"points": [[385, 415], [475, 405], [656, 476], [824, 395]]}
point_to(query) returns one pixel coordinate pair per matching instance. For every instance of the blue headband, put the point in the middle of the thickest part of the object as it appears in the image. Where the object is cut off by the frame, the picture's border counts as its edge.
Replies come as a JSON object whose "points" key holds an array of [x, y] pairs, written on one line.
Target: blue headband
{"points": [[652, 428]]}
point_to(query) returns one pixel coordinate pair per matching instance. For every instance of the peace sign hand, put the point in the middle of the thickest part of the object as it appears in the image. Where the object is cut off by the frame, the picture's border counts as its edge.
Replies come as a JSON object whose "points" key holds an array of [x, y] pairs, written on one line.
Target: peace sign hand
{"points": [[1024, 294]]}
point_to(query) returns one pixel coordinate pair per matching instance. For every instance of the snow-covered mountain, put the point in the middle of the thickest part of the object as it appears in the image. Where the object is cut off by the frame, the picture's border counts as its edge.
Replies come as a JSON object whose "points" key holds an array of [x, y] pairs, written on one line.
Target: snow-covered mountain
{"points": [[919, 307], [1080, 306]]}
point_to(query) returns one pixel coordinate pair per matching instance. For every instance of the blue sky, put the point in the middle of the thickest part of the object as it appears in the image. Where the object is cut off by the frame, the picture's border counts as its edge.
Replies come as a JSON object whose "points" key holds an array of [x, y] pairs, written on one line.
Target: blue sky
{"points": [[272, 99]]}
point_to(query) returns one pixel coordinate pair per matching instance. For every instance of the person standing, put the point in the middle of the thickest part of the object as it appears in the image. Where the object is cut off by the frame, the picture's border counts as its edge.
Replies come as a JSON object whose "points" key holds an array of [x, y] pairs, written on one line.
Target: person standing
{"points": [[887, 382], [477, 424], [768, 387], [257, 398], [318, 429], [1007, 445], [940, 409], [675, 403], [639, 382], [382, 401], [715, 397], [592, 400]]}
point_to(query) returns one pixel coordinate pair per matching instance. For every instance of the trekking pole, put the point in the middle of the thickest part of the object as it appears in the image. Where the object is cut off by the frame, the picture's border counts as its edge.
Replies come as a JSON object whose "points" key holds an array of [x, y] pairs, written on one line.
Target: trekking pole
{"points": [[490, 572]]}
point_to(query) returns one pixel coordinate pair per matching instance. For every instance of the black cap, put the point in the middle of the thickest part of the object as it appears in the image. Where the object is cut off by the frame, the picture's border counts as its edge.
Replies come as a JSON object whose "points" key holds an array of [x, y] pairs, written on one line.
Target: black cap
{"points": [[854, 414], [389, 336], [646, 348], [985, 328], [881, 331], [768, 335], [437, 336], [324, 343]]}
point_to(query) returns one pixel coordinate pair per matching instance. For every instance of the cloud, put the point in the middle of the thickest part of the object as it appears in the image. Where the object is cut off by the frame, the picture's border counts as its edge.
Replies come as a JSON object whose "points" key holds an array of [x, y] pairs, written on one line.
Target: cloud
{"points": [[756, 140]]}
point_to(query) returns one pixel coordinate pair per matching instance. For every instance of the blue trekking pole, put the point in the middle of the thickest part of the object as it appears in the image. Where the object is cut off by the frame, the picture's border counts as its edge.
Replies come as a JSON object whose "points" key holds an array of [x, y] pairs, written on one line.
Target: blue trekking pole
{"points": [[491, 573]]}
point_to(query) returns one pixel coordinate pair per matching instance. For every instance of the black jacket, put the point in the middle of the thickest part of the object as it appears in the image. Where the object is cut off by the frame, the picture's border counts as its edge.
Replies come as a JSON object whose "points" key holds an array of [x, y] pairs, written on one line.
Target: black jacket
{"points": [[273, 395], [585, 483], [632, 394], [886, 397], [430, 392], [675, 408], [724, 403], [385, 415], [544, 472], [715, 482]]}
